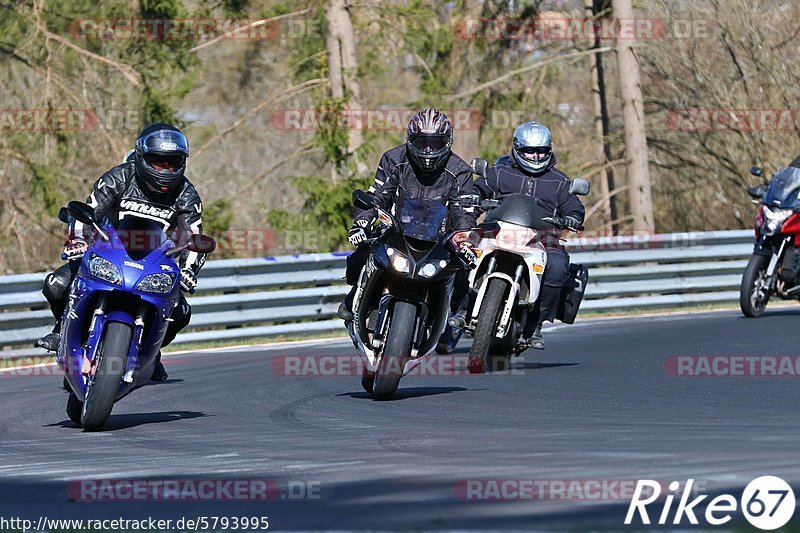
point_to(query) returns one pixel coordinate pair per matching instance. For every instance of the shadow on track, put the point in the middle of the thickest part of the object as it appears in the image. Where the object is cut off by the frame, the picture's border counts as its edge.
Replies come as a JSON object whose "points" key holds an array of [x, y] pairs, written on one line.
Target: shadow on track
{"points": [[411, 392], [165, 382], [66, 388], [116, 422], [780, 311], [533, 365]]}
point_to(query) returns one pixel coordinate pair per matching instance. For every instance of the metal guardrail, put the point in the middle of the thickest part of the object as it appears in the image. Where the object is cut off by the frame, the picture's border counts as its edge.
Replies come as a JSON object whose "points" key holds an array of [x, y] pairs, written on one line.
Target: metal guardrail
{"points": [[240, 299]]}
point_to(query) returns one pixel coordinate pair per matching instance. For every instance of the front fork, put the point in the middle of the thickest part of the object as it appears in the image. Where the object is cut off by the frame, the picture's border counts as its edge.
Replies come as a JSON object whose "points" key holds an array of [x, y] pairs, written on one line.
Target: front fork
{"points": [[382, 324], [776, 257], [774, 261], [96, 329]]}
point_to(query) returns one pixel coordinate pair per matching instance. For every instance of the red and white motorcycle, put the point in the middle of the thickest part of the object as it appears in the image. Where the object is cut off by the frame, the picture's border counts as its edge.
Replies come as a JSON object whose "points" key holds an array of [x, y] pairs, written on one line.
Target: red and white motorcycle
{"points": [[510, 246]]}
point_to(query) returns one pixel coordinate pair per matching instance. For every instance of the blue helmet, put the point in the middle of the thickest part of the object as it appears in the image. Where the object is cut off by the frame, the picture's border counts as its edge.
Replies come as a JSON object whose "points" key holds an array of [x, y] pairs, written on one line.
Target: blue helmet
{"points": [[160, 158], [532, 147]]}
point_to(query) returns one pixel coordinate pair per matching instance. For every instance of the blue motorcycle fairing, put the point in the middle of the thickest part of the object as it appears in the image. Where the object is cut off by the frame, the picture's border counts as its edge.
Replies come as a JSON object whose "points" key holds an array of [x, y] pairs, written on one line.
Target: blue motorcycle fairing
{"points": [[94, 302]]}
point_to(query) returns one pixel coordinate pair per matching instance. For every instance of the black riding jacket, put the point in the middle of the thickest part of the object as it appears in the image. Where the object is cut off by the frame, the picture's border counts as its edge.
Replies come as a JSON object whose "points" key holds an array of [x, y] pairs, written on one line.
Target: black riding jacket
{"points": [[396, 180], [117, 195], [550, 187]]}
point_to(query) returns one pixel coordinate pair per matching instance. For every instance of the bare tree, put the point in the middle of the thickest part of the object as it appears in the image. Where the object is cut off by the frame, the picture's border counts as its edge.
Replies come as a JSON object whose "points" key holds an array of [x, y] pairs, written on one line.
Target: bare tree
{"points": [[343, 64], [608, 205], [639, 188]]}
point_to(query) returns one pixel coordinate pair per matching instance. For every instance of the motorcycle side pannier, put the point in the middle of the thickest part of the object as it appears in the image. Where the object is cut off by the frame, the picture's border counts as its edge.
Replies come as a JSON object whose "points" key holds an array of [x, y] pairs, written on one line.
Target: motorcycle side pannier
{"points": [[572, 295]]}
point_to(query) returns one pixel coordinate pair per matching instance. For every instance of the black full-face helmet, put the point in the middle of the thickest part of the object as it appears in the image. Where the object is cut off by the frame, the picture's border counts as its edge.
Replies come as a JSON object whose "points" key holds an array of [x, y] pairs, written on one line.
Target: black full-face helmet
{"points": [[428, 140], [160, 158]]}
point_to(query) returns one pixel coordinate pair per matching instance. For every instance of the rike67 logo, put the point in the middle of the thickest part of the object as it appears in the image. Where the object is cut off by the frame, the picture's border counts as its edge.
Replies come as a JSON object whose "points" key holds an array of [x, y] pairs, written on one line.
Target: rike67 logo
{"points": [[767, 503]]}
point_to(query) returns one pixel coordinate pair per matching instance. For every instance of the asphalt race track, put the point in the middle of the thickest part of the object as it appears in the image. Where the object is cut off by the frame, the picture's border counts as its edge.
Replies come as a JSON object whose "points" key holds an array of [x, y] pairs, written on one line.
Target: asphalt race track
{"points": [[600, 403]]}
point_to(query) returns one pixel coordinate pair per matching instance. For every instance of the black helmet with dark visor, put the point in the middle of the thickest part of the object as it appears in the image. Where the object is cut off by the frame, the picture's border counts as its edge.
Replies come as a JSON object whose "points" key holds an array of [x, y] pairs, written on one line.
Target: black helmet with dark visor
{"points": [[161, 152]]}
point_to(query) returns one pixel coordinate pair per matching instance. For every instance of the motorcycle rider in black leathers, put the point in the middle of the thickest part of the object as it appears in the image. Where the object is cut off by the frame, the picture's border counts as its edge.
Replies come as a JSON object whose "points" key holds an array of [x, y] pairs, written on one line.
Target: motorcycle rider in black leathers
{"points": [[423, 167], [150, 184], [531, 170]]}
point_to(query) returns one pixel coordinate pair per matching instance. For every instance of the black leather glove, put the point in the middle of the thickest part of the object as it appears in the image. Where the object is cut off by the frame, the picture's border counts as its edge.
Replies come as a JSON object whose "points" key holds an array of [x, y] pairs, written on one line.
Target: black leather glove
{"points": [[572, 223], [357, 233]]}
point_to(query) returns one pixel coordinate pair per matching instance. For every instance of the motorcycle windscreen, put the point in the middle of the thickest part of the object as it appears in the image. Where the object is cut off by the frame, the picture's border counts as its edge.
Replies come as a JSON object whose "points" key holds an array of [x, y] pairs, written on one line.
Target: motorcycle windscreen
{"points": [[422, 219], [140, 236], [784, 190], [522, 210]]}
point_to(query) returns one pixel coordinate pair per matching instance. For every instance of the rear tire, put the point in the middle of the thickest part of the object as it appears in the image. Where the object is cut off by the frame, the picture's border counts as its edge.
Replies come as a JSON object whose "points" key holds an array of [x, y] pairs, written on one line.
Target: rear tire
{"points": [[754, 293], [74, 408], [480, 357], [101, 391], [396, 351]]}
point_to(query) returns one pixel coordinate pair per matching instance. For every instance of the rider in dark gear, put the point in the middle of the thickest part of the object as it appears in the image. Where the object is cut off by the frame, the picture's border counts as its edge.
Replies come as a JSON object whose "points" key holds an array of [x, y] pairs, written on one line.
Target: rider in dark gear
{"points": [[531, 170], [150, 185], [423, 167]]}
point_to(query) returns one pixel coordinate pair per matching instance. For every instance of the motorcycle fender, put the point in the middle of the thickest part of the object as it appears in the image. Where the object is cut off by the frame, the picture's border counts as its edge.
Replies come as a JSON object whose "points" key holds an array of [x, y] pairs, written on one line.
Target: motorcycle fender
{"points": [[512, 297], [536, 263], [121, 316]]}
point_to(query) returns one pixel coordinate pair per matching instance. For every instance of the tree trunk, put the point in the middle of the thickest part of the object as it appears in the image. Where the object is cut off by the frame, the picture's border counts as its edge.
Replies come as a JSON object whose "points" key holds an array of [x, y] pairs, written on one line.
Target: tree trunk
{"points": [[641, 203], [343, 67], [608, 209]]}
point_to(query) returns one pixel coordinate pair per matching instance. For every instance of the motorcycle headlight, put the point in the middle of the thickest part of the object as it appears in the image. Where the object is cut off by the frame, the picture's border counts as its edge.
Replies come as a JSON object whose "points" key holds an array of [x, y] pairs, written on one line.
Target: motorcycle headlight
{"points": [[775, 218], [398, 261], [160, 283], [105, 270], [428, 270]]}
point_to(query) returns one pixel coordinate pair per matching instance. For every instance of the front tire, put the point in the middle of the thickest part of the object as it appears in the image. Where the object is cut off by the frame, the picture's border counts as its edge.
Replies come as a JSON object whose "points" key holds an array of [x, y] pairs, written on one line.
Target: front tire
{"points": [[488, 318], [396, 351], [101, 391], [755, 291]]}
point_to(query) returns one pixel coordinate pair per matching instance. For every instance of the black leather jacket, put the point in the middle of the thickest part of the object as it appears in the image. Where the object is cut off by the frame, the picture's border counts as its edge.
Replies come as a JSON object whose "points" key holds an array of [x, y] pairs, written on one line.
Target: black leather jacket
{"points": [[117, 195], [396, 179]]}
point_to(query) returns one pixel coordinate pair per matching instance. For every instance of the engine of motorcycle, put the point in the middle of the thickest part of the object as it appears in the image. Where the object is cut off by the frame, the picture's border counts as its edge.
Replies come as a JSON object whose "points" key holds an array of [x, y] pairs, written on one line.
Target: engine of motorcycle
{"points": [[789, 271]]}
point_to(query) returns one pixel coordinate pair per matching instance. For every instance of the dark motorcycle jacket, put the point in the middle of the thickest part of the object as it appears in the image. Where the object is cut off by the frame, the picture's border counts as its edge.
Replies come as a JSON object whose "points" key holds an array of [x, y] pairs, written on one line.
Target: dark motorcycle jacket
{"points": [[550, 188], [396, 180], [117, 195]]}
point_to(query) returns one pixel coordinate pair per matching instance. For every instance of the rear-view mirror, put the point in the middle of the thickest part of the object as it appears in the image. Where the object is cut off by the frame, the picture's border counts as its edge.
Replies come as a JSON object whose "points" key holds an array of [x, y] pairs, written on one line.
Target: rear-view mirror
{"points": [[479, 166], [579, 186], [363, 200], [202, 244], [81, 212]]}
